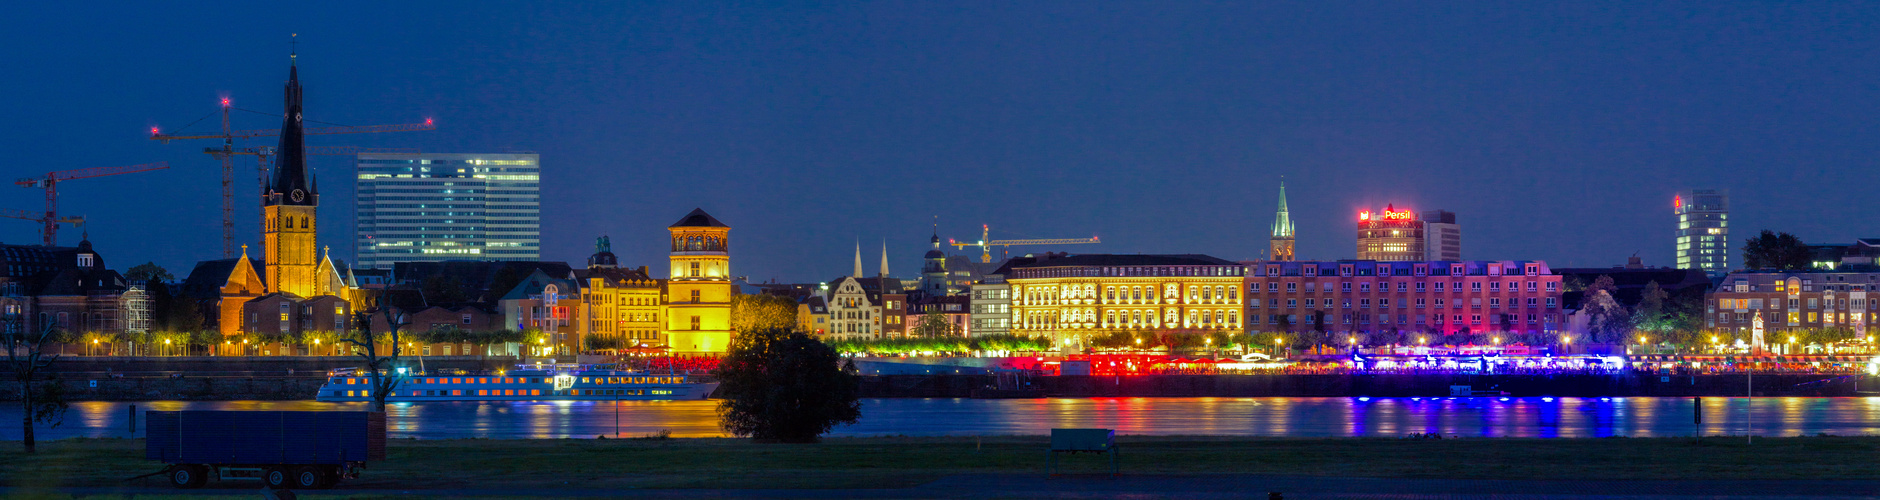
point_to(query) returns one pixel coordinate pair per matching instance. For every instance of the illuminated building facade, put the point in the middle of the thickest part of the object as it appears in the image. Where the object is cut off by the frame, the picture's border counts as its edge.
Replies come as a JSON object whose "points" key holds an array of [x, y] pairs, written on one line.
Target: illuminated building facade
{"points": [[1072, 298], [698, 309], [1281, 243], [1390, 235], [620, 306], [1703, 236], [1364, 296], [436, 207], [1792, 301]]}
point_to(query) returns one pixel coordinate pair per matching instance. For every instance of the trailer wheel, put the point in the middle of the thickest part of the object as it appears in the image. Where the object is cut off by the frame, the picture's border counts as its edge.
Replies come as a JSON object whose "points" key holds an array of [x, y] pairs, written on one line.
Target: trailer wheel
{"points": [[308, 477], [275, 477], [188, 476]]}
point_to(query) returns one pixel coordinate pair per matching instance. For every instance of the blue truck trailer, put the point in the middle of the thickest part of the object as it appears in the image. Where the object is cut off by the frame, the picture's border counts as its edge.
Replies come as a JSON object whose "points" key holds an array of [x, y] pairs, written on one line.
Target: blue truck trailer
{"points": [[284, 449]]}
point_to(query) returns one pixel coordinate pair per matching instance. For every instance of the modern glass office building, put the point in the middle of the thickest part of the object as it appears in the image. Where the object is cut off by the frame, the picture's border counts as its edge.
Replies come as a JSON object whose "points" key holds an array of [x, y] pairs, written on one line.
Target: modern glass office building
{"points": [[1703, 237], [437, 207]]}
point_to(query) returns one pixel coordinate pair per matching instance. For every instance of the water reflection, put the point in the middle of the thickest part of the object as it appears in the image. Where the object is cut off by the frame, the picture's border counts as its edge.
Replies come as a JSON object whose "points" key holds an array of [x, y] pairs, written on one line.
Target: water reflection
{"points": [[1488, 416]]}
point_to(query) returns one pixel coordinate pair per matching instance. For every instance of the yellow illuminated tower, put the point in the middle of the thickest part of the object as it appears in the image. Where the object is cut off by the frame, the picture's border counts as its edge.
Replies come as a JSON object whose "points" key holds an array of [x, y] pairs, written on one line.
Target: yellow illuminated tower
{"points": [[288, 206], [698, 302]]}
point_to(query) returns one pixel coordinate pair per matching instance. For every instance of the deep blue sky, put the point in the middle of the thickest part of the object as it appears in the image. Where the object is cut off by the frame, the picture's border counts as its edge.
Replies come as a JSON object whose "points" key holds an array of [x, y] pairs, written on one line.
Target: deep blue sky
{"points": [[1555, 132]]}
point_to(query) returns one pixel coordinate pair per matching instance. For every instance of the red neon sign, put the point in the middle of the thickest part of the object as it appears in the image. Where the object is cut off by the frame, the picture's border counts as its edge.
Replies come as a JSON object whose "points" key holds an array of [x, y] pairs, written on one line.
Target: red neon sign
{"points": [[1398, 215], [1365, 215]]}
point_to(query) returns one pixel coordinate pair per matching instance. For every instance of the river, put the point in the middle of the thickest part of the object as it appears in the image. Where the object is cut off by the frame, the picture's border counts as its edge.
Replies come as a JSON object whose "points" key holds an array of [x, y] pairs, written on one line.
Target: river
{"points": [[1293, 417]]}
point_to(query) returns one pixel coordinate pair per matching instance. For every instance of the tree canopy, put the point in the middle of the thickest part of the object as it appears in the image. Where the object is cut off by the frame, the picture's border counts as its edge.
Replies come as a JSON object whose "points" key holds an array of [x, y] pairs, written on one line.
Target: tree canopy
{"points": [[147, 271], [780, 385], [1776, 251], [763, 311]]}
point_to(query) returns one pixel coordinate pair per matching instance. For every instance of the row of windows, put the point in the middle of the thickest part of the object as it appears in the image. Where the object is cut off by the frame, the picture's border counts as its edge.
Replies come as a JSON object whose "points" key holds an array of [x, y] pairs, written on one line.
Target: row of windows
{"points": [[1348, 270], [1405, 319], [1384, 303], [1402, 286]]}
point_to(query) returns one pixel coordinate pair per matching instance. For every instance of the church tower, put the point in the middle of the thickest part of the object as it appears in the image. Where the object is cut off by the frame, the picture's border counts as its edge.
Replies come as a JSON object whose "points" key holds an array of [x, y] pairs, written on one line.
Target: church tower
{"points": [[288, 202], [933, 270], [1282, 241], [698, 304]]}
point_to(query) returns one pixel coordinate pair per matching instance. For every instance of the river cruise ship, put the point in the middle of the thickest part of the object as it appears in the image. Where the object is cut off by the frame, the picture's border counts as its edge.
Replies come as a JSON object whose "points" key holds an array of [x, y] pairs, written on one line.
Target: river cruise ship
{"points": [[535, 382]]}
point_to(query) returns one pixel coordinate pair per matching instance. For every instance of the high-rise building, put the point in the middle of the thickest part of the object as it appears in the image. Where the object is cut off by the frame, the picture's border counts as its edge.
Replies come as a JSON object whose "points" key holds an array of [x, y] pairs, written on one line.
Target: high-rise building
{"points": [[1390, 235], [1703, 236], [1442, 237], [436, 207], [1282, 240]]}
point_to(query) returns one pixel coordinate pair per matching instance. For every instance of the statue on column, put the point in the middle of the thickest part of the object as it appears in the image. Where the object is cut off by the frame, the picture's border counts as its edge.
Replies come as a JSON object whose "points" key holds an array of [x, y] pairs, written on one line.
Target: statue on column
{"points": [[1756, 333]]}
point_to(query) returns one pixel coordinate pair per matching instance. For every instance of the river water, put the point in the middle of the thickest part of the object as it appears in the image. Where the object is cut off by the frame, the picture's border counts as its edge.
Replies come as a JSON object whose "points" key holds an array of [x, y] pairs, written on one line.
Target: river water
{"points": [[1298, 417]]}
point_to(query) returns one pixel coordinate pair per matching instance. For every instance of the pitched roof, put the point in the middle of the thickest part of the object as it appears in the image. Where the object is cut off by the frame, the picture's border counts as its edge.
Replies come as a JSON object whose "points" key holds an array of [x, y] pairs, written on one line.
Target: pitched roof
{"points": [[205, 281], [698, 218]]}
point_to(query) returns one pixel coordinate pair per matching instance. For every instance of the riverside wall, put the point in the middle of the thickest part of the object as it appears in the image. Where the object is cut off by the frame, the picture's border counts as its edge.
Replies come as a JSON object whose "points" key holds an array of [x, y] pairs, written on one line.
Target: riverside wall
{"points": [[1383, 385]]}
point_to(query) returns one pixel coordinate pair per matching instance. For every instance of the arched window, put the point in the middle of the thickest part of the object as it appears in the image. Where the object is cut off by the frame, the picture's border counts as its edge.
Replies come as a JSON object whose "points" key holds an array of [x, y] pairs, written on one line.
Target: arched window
{"points": [[1207, 293]]}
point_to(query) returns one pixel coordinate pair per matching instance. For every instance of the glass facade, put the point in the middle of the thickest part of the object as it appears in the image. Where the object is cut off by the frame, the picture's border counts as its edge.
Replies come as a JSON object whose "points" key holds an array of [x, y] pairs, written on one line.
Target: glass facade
{"points": [[437, 207], [1703, 236]]}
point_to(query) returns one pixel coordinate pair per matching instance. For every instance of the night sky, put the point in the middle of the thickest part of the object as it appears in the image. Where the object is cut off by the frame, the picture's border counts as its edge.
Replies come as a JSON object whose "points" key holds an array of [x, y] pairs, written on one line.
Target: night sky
{"points": [[1555, 132]]}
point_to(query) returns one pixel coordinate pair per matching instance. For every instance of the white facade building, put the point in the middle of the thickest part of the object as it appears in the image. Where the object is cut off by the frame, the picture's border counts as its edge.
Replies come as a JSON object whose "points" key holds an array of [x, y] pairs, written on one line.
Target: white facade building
{"points": [[437, 207]]}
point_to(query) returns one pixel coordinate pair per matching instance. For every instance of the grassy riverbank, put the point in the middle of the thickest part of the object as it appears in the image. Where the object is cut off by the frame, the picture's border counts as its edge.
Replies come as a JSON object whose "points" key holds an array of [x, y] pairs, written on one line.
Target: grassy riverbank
{"points": [[887, 462]]}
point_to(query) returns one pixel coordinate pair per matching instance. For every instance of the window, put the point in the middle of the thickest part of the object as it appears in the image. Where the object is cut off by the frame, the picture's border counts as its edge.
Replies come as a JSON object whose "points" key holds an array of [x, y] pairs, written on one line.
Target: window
{"points": [[1403, 287], [1420, 286], [1364, 287], [695, 323], [466, 319], [1439, 286], [1420, 302], [1475, 287], [1345, 287], [695, 297], [1292, 286], [694, 269]]}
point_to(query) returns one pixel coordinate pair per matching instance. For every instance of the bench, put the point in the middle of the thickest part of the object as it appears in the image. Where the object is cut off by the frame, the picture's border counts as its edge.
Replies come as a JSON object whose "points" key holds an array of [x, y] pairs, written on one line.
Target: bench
{"points": [[1074, 441]]}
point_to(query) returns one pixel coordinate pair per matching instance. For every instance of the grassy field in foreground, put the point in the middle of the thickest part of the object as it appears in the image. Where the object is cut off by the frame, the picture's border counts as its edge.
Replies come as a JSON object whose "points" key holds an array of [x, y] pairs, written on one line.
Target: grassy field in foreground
{"points": [[888, 462]]}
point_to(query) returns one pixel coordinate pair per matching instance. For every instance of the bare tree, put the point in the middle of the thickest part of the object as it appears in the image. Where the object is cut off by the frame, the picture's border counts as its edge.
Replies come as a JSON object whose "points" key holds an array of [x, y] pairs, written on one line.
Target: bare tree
{"points": [[27, 357], [377, 367]]}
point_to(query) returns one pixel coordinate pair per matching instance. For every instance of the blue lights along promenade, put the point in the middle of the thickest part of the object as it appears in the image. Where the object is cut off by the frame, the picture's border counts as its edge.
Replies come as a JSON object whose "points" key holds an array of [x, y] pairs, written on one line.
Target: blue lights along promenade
{"points": [[1531, 417]]}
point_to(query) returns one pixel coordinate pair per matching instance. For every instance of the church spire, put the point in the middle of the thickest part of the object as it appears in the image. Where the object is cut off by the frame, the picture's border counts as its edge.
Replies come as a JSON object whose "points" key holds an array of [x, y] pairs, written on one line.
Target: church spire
{"points": [[884, 258], [1281, 248], [858, 259], [290, 184], [1282, 222]]}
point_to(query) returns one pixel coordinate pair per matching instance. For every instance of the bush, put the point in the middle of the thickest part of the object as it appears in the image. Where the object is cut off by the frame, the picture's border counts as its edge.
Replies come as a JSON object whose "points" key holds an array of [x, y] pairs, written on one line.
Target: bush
{"points": [[781, 385]]}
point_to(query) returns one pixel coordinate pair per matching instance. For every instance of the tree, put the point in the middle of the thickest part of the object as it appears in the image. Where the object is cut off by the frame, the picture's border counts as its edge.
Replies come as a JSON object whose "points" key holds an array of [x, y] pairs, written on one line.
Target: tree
{"points": [[381, 383], [932, 325], [1650, 317], [758, 312], [1606, 319], [780, 385], [27, 357], [1779, 251], [148, 271]]}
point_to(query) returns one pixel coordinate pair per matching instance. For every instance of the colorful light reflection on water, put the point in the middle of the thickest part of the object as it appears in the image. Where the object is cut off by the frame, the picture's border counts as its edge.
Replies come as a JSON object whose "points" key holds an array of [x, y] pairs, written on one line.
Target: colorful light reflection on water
{"points": [[1297, 417]]}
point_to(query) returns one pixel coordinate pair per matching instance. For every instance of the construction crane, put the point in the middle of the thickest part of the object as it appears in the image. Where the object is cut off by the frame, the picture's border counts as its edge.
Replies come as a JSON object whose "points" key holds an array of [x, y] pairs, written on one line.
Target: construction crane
{"points": [[51, 183], [226, 154], [985, 243], [41, 218]]}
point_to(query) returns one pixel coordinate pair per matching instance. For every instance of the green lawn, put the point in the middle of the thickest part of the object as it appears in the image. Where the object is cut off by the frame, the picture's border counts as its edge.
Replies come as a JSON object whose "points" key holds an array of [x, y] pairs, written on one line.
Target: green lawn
{"points": [[886, 462]]}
